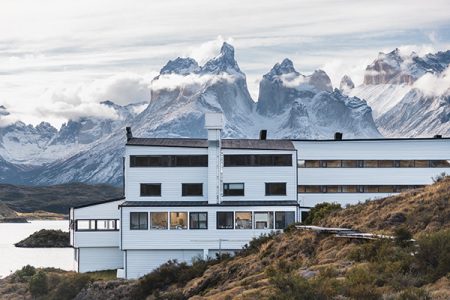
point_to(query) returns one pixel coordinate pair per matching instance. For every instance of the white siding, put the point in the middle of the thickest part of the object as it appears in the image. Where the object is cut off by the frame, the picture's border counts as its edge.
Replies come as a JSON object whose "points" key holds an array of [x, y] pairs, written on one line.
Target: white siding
{"points": [[170, 178], [109, 210], [310, 200], [96, 259], [97, 239], [191, 239], [141, 262]]}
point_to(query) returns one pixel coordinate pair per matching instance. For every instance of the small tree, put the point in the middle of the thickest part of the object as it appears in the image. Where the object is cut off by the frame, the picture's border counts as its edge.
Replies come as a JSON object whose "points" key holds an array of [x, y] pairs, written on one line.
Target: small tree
{"points": [[402, 236], [39, 284], [319, 212]]}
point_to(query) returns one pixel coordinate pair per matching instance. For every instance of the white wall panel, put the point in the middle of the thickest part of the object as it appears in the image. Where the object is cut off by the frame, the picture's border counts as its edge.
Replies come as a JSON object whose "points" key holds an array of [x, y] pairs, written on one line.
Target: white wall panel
{"points": [[96, 259], [141, 262], [97, 239]]}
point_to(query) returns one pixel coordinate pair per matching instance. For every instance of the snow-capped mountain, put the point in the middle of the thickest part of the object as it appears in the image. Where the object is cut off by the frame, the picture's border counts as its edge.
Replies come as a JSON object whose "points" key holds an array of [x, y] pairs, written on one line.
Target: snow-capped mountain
{"points": [[408, 93]]}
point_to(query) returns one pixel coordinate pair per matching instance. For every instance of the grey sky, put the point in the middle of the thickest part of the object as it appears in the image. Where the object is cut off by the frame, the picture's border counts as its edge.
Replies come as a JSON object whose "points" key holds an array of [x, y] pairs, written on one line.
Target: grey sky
{"points": [[59, 58]]}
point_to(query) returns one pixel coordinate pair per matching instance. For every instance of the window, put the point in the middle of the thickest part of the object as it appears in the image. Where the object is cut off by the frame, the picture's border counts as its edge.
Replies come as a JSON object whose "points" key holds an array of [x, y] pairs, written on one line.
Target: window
{"points": [[349, 164], [301, 189], [106, 225], [283, 219], [439, 163], [198, 220], [333, 164], [333, 189], [233, 189], [85, 225], [263, 220], [312, 189], [138, 220], [158, 220], [243, 220], [178, 220], [370, 164], [406, 164], [258, 160], [421, 164], [225, 220], [168, 161], [386, 189], [385, 163], [349, 189], [372, 189], [312, 164], [300, 164], [275, 188], [150, 189], [192, 189]]}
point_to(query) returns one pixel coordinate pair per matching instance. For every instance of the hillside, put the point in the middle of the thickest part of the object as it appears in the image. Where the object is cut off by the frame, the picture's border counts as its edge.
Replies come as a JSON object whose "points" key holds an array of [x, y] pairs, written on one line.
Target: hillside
{"points": [[299, 264], [6, 212], [56, 198]]}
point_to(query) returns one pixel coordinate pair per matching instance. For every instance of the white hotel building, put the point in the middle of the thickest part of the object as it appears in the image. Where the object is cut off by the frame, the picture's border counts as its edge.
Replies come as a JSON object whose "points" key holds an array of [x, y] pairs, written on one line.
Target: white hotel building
{"points": [[187, 198]]}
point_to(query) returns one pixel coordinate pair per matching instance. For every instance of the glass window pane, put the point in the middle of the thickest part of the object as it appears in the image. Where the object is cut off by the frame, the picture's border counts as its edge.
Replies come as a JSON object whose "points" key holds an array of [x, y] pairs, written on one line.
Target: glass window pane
{"points": [[138, 220], [192, 189], [333, 163], [243, 220], [178, 220], [276, 189], [233, 189], [282, 160], [349, 189], [371, 189], [301, 189], [439, 163], [332, 189], [349, 164], [312, 163], [386, 189], [312, 189], [106, 224], [370, 164], [263, 220], [406, 164], [386, 164], [300, 164], [84, 225], [158, 220], [198, 220], [225, 220], [150, 189], [421, 163], [284, 219]]}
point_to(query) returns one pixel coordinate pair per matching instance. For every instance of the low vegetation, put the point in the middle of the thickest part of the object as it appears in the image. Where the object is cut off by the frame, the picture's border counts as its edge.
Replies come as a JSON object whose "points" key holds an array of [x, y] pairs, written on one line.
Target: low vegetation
{"points": [[45, 238], [298, 264]]}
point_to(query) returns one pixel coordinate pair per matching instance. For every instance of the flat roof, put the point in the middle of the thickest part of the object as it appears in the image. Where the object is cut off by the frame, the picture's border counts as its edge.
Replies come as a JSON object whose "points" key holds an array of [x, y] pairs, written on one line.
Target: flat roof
{"points": [[374, 139], [203, 143], [99, 202], [205, 203]]}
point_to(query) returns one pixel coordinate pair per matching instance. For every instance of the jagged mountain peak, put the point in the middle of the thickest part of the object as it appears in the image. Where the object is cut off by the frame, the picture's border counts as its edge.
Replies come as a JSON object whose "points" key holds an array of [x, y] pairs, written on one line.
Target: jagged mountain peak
{"points": [[3, 111], [285, 67], [223, 63], [180, 66], [346, 84], [321, 81]]}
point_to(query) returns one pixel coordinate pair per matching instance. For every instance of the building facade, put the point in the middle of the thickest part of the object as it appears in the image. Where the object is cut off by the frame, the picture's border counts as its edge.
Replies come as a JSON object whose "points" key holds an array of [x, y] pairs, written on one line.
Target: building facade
{"points": [[189, 198]]}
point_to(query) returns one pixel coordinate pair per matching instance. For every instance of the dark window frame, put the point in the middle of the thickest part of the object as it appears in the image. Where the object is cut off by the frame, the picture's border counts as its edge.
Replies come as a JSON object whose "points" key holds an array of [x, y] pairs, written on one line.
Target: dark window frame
{"points": [[232, 219], [228, 183], [168, 161], [284, 219], [184, 190], [150, 184], [268, 191], [257, 160], [116, 227], [140, 214], [198, 220]]}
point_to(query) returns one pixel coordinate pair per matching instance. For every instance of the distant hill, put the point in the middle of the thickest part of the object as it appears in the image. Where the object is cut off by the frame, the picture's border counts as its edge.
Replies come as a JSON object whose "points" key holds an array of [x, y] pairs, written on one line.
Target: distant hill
{"points": [[6, 212], [55, 198]]}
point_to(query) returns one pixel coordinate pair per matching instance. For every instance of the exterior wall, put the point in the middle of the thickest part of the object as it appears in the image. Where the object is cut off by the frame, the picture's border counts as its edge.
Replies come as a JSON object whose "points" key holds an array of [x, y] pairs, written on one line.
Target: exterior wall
{"points": [[108, 210], [254, 178], [171, 178], [432, 149], [96, 259], [192, 238], [141, 262]]}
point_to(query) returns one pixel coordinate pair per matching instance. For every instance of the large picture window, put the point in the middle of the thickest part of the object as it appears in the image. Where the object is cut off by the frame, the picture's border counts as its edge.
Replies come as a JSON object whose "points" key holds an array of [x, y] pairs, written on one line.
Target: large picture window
{"points": [[225, 220], [373, 163], [178, 220], [275, 188], [138, 220], [243, 220], [258, 160], [283, 219], [158, 220], [233, 189], [150, 189], [198, 220], [192, 189], [263, 220], [85, 225], [168, 161]]}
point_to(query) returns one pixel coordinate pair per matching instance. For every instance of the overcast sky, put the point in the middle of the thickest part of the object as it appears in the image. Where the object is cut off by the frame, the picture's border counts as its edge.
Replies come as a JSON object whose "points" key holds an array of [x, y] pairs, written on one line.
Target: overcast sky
{"points": [[58, 58]]}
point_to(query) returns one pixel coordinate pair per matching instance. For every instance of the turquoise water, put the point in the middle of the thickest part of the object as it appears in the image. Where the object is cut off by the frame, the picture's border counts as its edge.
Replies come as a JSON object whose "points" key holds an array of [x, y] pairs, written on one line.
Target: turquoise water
{"points": [[12, 258]]}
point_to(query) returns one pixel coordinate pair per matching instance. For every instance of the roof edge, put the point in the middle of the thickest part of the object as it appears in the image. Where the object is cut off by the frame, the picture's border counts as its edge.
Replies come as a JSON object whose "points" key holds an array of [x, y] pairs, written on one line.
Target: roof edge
{"points": [[97, 203]]}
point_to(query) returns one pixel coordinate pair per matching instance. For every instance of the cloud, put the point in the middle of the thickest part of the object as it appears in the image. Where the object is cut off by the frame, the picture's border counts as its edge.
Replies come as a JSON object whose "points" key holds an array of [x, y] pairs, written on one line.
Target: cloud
{"points": [[207, 50], [434, 84], [174, 81]]}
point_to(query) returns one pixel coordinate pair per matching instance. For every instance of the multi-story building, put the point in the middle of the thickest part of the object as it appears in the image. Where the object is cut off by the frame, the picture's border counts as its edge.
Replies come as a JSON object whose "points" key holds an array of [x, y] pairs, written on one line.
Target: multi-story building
{"points": [[187, 198]]}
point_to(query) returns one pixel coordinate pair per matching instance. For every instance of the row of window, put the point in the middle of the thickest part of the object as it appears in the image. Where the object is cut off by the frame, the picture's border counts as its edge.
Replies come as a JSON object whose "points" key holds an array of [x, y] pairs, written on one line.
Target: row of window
{"points": [[258, 160], [199, 220], [355, 188], [97, 225], [229, 189], [373, 163]]}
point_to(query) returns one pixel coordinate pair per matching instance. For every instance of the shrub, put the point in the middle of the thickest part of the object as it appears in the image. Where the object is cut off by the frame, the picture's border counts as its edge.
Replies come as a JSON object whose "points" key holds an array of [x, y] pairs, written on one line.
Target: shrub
{"points": [[402, 236], [39, 284], [433, 255], [25, 273], [69, 287], [255, 244], [414, 294], [319, 212]]}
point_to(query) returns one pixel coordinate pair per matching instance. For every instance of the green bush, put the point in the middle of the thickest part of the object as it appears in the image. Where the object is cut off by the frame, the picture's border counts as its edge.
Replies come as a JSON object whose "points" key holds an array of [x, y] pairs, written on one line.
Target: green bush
{"points": [[255, 244], [414, 294], [69, 287], [25, 273], [319, 212], [433, 255], [403, 236], [39, 284]]}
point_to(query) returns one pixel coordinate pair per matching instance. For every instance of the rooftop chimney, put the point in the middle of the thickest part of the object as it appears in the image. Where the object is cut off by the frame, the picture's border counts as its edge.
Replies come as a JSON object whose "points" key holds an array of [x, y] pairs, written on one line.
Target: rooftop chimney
{"points": [[263, 135], [338, 136], [437, 136], [129, 133]]}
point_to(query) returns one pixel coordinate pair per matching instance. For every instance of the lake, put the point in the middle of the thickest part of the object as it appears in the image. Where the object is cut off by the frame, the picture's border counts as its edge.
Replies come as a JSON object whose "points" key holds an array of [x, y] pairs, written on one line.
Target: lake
{"points": [[12, 258]]}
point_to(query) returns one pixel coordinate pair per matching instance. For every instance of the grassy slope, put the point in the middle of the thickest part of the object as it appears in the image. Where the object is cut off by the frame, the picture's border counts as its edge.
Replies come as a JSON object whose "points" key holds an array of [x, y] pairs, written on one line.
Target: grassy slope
{"points": [[56, 198]]}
